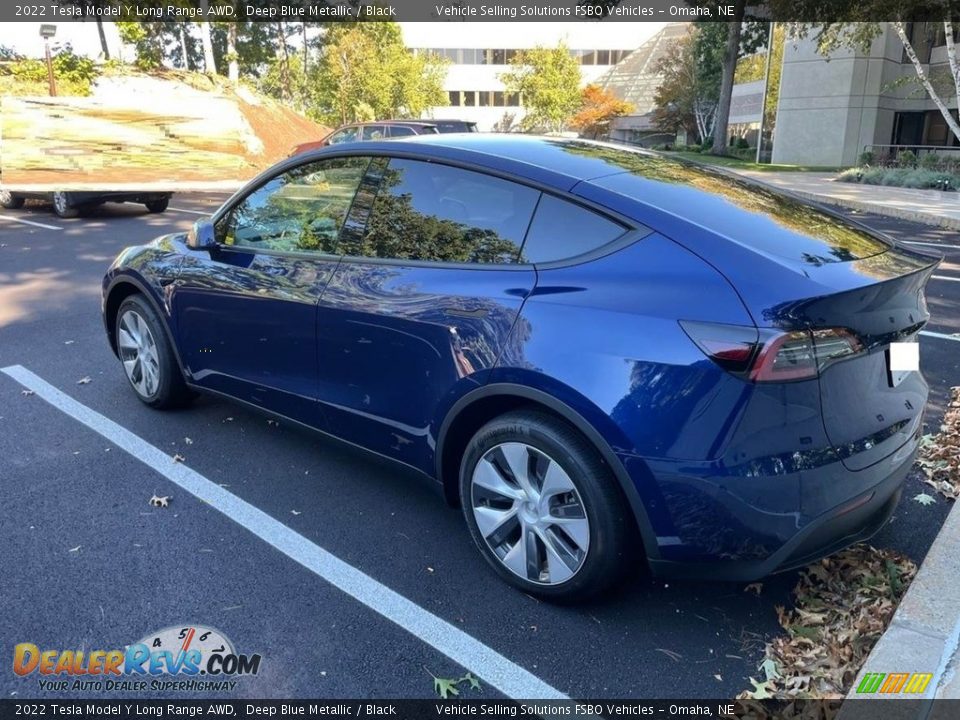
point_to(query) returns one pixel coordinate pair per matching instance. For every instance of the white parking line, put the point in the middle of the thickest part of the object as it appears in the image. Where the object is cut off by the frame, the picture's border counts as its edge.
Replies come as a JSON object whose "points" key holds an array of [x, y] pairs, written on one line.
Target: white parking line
{"points": [[917, 242], [193, 212], [944, 277], [503, 674], [942, 336], [30, 222]]}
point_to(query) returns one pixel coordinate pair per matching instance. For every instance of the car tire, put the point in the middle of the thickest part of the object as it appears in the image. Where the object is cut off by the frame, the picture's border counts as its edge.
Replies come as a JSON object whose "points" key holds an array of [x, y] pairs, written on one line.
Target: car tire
{"points": [[157, 206], [527, 480], [147, 355], [9, 201], [62, 207]]}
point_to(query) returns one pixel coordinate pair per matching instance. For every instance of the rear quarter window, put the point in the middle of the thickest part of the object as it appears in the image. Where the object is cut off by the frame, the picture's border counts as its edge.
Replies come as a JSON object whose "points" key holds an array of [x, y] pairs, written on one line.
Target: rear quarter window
{"points": [[562, 230]]}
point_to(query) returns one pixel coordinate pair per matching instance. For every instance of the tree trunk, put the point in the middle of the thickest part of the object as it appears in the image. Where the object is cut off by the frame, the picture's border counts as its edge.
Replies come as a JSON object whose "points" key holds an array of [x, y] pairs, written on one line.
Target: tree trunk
{"points": [[303, 27], [209, 63], [285, 65], [925, 79], [184, 53], [730, 55], [233, 63], [103, 39]]}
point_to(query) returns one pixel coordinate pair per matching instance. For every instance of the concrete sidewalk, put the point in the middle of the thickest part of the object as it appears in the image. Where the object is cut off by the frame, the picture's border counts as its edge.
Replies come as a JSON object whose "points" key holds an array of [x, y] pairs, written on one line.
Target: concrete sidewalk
{"points": [[924, 635], [930, 207]]}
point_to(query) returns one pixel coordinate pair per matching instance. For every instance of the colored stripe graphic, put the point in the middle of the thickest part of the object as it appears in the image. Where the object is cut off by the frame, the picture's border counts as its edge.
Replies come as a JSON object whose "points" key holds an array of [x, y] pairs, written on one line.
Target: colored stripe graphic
{"points": [[870, 682], [918, 682], [893, 683]]}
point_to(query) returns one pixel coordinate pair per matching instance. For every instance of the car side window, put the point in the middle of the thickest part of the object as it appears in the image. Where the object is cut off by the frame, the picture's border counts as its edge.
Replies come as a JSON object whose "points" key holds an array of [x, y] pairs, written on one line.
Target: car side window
{"points": [[562, 230], [429, 211], [300, 210], [401, 130], [347, 134], [374, 132]]}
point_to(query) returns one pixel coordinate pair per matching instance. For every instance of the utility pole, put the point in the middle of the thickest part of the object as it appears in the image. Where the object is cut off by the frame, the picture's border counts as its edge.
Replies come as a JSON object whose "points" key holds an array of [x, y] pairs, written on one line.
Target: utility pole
{"points": [[47, 32]]}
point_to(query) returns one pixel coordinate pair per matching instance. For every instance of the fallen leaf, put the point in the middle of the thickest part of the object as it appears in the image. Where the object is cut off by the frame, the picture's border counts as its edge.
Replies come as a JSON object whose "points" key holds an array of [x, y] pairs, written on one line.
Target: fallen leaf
{"points": [[178, 458], [84, 380], [26, 392], [718, 677], [294, 512], [68, 342], [160, 501], [76, 549], [188, 441], [755, 588], [924, 499], [472, 679]]}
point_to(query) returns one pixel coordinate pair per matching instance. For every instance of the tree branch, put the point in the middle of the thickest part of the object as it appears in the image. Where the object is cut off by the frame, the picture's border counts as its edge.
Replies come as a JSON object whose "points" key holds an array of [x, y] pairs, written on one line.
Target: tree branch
{"points": [[925, 80]]}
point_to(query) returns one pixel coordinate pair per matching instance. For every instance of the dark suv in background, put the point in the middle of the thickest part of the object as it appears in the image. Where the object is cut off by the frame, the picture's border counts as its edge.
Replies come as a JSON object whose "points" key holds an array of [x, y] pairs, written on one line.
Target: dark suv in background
{"points": [[384, 129]]}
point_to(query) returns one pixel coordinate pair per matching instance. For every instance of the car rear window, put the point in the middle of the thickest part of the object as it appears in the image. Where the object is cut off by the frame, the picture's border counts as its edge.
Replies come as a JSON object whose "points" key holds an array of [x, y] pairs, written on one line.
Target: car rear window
{"points": [[429, 211], [562, 230]]}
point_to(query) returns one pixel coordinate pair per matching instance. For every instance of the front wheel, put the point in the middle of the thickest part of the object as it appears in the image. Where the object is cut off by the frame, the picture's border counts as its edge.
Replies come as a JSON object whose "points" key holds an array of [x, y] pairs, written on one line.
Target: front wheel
{"points": [[147, 355], [9, 201], [62, 207], [157, 206], [543, 508]]}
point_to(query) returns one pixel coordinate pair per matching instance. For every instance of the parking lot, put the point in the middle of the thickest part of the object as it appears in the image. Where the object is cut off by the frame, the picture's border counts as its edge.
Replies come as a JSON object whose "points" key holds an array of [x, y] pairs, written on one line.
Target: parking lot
{"points": [[351, 577]]}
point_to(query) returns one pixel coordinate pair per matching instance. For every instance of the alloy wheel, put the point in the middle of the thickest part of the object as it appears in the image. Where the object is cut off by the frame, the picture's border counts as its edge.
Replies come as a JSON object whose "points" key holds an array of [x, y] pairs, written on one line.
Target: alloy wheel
{"points": [[530, 514], [138, 352]]}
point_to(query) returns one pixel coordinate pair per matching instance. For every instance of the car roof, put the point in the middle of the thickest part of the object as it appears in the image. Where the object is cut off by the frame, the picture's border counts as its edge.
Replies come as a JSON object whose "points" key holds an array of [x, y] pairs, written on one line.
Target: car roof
{"points": [[557, 162]]}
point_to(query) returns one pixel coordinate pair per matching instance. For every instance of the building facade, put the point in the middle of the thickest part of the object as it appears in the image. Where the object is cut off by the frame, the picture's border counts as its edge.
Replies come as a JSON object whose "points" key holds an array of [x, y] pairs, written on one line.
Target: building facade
{"points": [[830, 112], [479, 53]]}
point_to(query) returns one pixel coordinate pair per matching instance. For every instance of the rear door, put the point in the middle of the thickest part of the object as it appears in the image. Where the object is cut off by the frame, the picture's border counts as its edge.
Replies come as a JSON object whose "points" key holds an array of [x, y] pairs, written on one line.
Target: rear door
{"points": [[422, 303], [246, 308]]}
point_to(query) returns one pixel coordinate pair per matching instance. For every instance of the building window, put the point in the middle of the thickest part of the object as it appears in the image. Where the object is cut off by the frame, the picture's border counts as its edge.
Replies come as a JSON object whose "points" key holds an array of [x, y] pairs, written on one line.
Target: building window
{"points": [[498, 98], [603, 57], [454, 98], [499, 57], [509, 55], [469, 98]]}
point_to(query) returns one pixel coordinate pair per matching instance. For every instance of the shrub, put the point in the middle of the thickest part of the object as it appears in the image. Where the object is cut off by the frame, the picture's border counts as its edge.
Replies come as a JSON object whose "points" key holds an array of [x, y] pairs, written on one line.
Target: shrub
{"points": [[742, 143], [866, 158], [929, 161], [850, 175], [907, 159]]}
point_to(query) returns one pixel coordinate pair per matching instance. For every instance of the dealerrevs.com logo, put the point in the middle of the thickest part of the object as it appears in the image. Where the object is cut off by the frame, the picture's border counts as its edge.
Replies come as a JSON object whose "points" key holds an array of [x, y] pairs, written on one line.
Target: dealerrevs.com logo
{"points": [[180, 658]]}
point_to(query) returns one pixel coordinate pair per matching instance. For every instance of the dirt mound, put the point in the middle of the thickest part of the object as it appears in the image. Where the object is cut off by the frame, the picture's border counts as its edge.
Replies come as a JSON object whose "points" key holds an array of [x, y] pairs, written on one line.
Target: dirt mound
{"points": [[170, 129]]}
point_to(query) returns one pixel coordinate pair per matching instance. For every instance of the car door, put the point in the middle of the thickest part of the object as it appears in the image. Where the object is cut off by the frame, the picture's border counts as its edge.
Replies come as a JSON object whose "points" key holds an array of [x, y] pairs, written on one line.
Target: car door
{"points": [[246, 308], [424, 299]]}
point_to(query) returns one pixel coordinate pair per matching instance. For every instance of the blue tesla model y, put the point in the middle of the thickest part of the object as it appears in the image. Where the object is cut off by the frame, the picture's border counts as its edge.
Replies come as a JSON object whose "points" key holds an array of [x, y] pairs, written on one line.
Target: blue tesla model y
{"points": [[608, 358]]}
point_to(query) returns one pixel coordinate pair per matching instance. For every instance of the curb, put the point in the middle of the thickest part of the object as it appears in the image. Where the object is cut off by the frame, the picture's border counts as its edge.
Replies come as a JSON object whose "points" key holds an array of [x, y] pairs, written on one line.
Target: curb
{"points": [[924, 635], [946, 223]]}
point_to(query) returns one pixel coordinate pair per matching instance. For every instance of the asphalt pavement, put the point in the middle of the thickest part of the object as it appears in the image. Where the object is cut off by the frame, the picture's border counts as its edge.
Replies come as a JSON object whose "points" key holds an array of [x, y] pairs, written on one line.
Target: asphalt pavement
{"points": [[87, 563]]}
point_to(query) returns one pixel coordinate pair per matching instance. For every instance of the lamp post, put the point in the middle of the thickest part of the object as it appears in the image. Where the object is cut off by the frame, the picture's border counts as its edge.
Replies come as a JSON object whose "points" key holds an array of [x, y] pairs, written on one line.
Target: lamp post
{"points": [[47, 32]]}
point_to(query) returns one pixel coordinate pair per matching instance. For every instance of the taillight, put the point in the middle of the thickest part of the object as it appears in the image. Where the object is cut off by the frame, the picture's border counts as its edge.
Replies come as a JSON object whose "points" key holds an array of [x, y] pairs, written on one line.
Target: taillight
{"points": [[772, 355]]}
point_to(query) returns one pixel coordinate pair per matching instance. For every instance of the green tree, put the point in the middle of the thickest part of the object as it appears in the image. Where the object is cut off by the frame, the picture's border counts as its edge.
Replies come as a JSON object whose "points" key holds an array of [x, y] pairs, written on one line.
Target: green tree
{"points": [[548, 81], [689, 87], [367, 64]]}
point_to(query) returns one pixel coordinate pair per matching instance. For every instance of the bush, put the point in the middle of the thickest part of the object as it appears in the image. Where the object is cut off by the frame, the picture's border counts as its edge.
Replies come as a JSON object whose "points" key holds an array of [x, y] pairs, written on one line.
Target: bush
{"points": [[706, 144], [742, 144], [907, 159], [921, 178], [74, 73], [866, 158], [929, 161]]}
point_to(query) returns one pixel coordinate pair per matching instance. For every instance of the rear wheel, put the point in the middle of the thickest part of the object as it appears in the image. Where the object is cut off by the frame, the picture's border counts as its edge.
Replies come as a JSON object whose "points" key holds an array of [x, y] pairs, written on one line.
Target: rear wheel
{"points": [[10, 201], [62, 207], [157, 206], [543, 508], [147, 355]]}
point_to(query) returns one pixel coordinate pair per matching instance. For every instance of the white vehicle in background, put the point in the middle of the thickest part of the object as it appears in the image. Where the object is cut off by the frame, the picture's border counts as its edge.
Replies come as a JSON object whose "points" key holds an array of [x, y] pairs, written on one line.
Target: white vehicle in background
{"points": [[71, 204]]}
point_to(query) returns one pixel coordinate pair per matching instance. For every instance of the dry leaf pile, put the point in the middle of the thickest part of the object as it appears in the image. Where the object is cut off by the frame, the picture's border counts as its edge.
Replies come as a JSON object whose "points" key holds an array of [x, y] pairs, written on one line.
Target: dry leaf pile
{"points": [[843, 605], [940, 453]]}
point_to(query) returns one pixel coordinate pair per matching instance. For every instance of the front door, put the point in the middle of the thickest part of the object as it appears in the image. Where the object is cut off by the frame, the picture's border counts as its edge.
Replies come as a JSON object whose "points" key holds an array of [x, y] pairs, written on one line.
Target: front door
{"points": [[246, 309]]}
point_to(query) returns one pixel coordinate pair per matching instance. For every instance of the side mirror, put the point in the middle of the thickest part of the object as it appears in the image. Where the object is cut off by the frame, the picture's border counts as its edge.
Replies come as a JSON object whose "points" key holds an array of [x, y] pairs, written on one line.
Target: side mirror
{"points": [[201, 236]]}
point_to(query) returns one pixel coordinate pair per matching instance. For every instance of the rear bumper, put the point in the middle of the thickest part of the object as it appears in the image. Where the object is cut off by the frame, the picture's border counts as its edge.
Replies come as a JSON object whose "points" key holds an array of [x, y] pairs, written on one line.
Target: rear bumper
{"points": [[855, 520]]}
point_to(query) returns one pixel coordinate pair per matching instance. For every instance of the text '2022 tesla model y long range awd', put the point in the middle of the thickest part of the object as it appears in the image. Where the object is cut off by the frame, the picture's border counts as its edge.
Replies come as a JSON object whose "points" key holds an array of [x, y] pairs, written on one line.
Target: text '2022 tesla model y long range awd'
{"points": [[606, 357]]}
